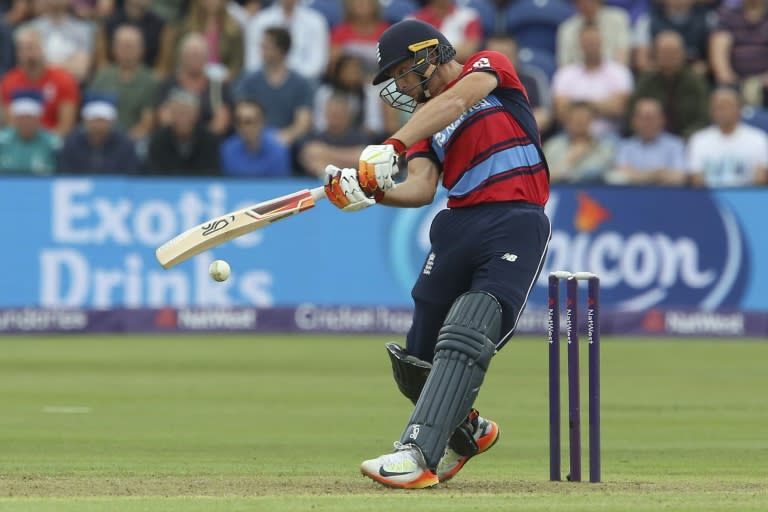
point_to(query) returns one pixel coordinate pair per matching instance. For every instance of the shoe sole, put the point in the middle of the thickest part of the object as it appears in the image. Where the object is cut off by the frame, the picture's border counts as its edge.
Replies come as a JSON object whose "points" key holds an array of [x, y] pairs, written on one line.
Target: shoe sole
{"points": [[464, 462], [426, 480]]}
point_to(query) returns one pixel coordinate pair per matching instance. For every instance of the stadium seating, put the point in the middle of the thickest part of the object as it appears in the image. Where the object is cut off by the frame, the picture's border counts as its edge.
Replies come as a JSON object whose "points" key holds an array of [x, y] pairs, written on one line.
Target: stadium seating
{"points": [[538, 58], [755, 116], [395, 10], [489, 17], [635, 8], [331, 9], [533, 23]]}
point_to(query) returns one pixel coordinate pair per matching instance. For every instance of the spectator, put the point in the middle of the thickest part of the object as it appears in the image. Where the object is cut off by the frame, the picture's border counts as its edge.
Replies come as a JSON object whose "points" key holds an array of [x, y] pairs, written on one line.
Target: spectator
{"points": [[349, 79], [691, 20], [254, 150], [184, 146], [98, 146], [131, 82], [534, 80], [461, 25], [651, 155], [61, 93], [341, 142], [7, 49], [729, 153], [612, 22], [309, 32], [681, 91], [577, 156], [739, 48], [285, 95], [25, 146], [358, 34], [19, 11], [68, 41], [157, 35], [170, 10], [191, 75], [222, 33], [605, 84], [243, 11], [95, 10]]}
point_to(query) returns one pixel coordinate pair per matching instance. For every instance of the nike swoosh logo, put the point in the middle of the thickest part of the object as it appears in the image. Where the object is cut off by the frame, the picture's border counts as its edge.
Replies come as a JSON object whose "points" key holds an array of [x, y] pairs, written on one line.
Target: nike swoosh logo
{"points": [[383, 472]]}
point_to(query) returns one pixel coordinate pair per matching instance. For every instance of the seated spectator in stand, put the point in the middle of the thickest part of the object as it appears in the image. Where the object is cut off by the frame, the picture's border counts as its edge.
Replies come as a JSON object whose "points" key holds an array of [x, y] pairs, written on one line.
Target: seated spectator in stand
{"points": [[729, 153], [691, 20], [221, 31], [60, 90], [95, 10], [98, 146], [349, 79], [358, 34], [577, 156], [68, 41], [651, 156], [184, 147], [340, 142], [7, 50], [25, 146], [533, 79], [605, 84], [157, 35], [461, 25], [308, 29], [131, 82], [611, 22], [681, 91], [191, 75], [739, 49], [285, 95], [254, 150]]}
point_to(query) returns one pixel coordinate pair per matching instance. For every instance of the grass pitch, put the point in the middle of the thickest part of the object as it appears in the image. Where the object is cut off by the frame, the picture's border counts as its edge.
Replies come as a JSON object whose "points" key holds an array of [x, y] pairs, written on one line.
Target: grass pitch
{"points": [[236, 423]]}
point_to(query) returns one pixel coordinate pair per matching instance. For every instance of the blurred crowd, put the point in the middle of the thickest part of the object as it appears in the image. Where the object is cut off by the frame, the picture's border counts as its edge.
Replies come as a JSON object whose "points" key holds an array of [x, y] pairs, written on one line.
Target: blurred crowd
{"points": [[666, 92]]}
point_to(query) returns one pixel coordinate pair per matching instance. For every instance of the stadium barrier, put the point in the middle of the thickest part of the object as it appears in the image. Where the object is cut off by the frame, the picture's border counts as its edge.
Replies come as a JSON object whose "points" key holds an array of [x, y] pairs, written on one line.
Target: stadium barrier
{"points": [[79, 256]]}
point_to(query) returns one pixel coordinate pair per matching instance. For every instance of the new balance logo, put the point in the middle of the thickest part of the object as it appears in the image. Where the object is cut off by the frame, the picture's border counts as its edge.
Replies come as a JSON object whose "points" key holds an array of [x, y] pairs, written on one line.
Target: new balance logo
{"points": [[429, 264], [509, 257]]}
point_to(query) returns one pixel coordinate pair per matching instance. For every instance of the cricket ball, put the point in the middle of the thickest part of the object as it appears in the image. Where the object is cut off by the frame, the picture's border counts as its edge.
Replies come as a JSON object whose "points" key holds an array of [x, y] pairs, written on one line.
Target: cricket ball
{"points": [[219, 270]]}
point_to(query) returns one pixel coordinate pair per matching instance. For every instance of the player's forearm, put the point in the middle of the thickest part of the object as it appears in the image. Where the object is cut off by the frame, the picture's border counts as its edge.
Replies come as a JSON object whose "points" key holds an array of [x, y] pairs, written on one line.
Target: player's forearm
{"points": [[409, 194], [432, 117]]}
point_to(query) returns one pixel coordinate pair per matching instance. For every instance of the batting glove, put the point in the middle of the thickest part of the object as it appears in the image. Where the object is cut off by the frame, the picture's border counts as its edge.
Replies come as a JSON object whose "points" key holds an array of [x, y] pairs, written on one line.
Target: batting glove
{"points": [[344, 191], [377, 166]]}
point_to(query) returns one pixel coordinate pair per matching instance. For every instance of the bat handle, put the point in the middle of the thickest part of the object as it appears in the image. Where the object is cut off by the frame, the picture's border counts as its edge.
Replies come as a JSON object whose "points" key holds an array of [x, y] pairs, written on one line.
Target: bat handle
{"points": [[317, 193]]}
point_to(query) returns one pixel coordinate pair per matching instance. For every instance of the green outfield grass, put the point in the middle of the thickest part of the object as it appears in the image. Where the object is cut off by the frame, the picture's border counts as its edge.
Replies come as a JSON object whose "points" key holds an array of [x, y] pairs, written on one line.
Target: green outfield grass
{"points": [[281, 423]]}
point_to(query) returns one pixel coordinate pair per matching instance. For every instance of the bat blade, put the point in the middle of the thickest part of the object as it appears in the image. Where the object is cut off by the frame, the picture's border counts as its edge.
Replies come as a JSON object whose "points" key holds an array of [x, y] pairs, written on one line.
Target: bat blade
{"points": [[219, 230]]}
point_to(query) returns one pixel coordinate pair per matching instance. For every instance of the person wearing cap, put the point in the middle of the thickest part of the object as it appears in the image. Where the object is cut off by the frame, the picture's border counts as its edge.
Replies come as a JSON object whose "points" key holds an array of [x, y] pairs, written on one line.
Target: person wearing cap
{"points": [[98, 146], [61, 91], [184, 147], [473, 130], [25, 146]]}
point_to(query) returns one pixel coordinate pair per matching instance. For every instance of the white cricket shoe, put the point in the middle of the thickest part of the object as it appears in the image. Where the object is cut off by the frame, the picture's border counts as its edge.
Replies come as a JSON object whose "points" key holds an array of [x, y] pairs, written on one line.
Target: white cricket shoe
{"points": [[486, 434], [405, 468]]}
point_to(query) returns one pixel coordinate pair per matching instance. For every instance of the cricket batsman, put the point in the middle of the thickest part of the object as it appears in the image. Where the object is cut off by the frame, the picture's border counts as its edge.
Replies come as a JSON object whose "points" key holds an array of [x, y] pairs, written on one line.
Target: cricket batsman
{"points": [[472, 130]]}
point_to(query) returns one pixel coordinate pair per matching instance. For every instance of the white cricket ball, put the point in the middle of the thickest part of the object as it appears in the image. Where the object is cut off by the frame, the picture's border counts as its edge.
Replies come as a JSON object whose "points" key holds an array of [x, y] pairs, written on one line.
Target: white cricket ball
{"points": [[219, 270]]}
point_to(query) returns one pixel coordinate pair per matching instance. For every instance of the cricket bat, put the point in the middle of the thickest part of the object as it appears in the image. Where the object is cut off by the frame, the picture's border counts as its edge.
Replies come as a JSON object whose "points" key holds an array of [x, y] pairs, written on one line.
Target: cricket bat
{"points": [[215, 232]]}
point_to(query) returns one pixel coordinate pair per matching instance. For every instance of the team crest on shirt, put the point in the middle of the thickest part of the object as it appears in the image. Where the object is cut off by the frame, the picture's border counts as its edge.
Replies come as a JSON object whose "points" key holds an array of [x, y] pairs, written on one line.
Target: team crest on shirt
{"points": [[482, 62]]}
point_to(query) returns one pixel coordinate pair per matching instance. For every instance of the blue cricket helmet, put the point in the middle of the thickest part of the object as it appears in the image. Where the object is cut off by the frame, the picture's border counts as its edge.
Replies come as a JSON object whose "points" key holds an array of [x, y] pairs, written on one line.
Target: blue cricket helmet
{"points": [[406, 39]]}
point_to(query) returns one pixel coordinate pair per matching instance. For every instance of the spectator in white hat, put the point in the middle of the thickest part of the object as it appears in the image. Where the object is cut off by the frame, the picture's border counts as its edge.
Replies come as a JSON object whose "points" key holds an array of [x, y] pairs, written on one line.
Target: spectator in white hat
{"points": [[25, 146], [98, 146]]}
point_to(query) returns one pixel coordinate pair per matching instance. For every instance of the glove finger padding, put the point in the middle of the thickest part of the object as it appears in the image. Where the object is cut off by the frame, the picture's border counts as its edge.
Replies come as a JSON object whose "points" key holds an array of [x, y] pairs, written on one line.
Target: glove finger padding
{"points": [[344, 191], [377, 166]]}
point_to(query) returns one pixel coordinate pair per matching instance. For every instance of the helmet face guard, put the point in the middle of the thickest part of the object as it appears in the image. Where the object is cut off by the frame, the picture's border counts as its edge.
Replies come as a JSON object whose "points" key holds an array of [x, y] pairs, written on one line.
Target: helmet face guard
{"points": [[427, 57]]}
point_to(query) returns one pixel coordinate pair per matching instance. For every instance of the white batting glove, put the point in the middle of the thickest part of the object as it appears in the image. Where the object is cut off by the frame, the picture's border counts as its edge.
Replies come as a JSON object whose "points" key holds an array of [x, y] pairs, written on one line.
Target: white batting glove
{"points": [[343, 189], [377, 166]]}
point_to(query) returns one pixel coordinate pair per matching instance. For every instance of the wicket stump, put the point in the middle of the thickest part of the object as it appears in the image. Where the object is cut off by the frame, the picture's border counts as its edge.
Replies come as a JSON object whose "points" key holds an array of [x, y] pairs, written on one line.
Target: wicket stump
{"points": [[574, 397]]}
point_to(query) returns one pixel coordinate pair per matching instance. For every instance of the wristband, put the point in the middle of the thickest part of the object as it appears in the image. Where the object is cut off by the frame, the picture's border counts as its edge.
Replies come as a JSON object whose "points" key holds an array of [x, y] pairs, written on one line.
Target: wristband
{"points": [[398, 144], [378, 196]]}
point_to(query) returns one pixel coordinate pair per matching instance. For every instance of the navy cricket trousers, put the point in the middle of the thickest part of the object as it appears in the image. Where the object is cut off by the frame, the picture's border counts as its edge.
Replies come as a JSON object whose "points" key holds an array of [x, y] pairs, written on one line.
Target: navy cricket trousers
{"points": [[497, 248]]}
